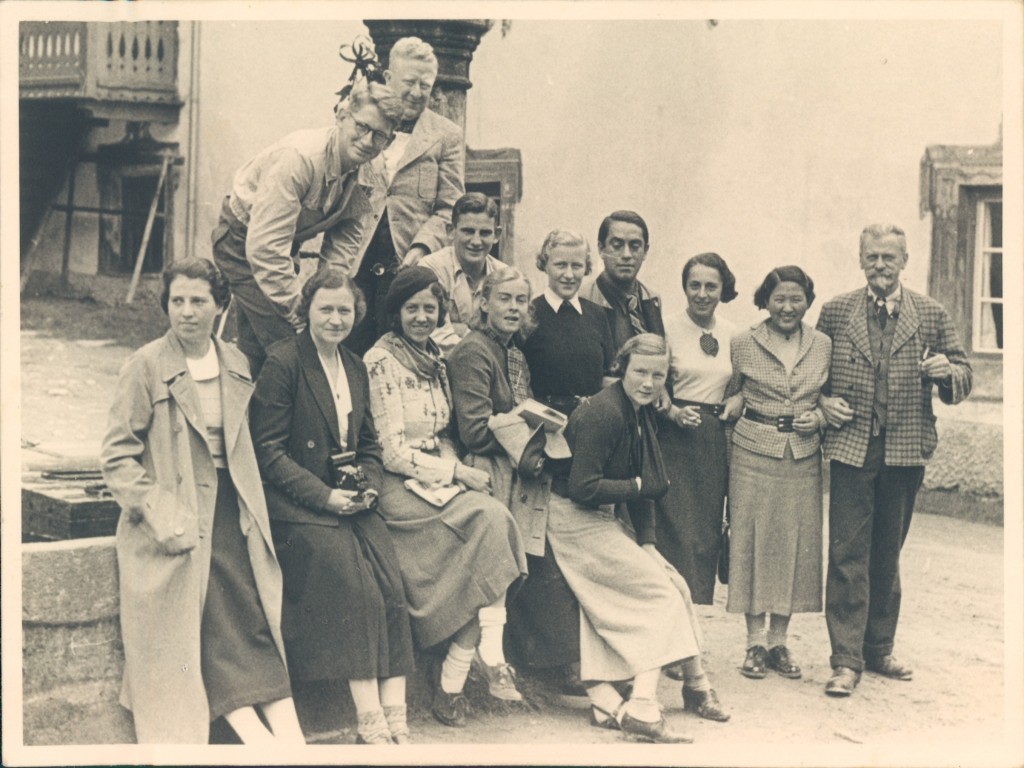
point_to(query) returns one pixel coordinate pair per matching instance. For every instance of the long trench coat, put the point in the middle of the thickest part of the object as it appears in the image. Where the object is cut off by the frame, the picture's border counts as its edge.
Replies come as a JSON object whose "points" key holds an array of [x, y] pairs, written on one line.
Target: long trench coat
{"points": [[157, 463]]}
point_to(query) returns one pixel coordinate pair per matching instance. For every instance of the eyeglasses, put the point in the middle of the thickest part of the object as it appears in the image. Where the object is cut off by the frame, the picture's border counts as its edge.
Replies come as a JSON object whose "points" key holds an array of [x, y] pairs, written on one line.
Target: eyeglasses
{"points": [[379, 137]]}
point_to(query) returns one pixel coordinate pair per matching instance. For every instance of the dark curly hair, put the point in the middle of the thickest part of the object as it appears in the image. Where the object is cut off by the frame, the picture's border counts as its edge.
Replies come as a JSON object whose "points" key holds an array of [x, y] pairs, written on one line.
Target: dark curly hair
{"points": [[197, 269], [330, 278], [787, 274], [716, 262], [395, 318]]}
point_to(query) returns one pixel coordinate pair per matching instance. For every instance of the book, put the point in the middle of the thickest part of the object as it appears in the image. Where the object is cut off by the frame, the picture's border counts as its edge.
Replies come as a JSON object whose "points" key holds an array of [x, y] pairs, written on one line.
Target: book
{"points": [[535, 413], [438, 497]]}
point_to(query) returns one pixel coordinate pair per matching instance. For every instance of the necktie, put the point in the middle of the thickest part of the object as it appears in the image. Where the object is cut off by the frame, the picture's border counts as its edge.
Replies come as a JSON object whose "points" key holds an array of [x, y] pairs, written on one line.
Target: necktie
{"points": [[635, 319], [883, 313], [708, 344]]}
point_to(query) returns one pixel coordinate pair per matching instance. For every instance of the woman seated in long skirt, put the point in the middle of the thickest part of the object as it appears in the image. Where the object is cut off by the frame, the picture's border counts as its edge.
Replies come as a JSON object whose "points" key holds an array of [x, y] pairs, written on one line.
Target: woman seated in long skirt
{"points": [[344, 612], [489, 377], [458, 557], [636, 614]]}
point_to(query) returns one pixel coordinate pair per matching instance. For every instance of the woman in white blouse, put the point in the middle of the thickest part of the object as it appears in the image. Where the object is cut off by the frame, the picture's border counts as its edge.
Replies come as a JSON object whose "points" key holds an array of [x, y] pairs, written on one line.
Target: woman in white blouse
{"points": [[459, 557], [694, 443]]}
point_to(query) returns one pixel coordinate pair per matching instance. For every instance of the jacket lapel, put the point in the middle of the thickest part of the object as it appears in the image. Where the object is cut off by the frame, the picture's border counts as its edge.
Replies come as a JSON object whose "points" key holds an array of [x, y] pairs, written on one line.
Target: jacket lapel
{"points": [[236, 389], [857, 323], [423, 137], [316, 380], [907, 322], [181, 387]]}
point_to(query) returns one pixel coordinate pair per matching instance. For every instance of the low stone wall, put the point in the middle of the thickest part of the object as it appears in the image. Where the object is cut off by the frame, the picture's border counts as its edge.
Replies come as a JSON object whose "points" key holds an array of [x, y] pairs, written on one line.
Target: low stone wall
{"points": [[72, 657]]}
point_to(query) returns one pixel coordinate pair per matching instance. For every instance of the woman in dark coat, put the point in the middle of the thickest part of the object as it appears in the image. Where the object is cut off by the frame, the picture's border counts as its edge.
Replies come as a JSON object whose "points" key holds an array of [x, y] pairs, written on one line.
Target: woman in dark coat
{"points": [[636, 612], [344, 614]]}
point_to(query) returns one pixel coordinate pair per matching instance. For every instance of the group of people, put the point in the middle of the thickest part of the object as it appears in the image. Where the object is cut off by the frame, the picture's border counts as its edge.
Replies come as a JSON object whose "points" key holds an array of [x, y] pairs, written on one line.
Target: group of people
{"points": [[361, 483]]}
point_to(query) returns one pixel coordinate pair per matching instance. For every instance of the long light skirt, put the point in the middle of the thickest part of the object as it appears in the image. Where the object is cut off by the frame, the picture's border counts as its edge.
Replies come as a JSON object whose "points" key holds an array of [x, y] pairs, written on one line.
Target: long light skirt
{"points": [[775, 510], [635, 609]]}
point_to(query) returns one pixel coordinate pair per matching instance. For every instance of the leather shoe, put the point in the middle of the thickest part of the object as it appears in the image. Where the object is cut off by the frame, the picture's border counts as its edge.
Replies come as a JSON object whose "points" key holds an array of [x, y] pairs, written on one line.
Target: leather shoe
{"points": [[842, 682], [705, 704], [602, 718], [657, 732], [889, 667], [675, 672], [778, 659], [450, 708], [754, 665]]}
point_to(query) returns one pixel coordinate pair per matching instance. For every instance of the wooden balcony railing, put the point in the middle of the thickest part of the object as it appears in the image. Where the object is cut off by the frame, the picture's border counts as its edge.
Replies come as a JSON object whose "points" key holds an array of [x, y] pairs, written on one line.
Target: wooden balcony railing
{"points": [[122, 69]]}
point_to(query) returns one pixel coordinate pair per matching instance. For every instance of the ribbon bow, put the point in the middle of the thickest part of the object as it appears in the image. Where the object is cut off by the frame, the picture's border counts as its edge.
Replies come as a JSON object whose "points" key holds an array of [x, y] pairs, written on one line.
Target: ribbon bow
{"points": [[362, 55]]}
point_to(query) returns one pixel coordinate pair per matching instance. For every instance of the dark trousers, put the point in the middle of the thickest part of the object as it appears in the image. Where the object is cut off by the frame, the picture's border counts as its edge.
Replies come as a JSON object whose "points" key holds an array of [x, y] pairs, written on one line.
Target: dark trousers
{"points": [[259, 323], [374, 277], [869, 516]]}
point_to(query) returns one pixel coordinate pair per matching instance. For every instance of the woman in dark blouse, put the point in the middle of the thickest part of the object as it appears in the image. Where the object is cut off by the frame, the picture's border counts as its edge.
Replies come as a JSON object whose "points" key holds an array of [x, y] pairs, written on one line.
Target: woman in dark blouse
{"points": [[571, 350], [636, 613]]}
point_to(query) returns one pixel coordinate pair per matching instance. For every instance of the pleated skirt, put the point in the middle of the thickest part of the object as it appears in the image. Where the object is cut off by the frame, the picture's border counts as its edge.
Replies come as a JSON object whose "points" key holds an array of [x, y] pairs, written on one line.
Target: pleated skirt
{"points": [[241, 664], [635, 609], [775, 555], [454, 560], [689, 516]]}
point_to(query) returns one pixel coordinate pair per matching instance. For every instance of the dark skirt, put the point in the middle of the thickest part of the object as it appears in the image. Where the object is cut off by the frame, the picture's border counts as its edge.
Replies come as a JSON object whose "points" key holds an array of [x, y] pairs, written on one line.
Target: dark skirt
{"points": [[689, 517], [240, 661], [344, 614], [543, 628]]}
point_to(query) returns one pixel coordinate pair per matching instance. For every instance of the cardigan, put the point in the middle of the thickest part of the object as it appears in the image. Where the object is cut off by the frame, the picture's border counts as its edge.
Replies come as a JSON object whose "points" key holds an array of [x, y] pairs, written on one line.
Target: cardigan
{"points": [[602, 434]]}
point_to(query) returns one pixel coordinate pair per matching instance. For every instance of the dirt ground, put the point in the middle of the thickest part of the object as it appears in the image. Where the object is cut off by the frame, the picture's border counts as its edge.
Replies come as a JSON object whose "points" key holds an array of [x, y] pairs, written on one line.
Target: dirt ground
{"points": [[952, 631]]}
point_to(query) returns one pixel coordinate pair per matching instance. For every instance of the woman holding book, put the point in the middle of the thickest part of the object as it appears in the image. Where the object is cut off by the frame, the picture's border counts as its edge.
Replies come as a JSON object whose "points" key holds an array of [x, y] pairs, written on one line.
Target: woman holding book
{"points": [[567, 354], [458, 557]]}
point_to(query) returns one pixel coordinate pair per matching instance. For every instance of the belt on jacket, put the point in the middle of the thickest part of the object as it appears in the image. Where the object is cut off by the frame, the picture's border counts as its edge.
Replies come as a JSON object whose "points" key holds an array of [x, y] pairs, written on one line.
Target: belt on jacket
{"points": [[715, 409], [781, 423]]}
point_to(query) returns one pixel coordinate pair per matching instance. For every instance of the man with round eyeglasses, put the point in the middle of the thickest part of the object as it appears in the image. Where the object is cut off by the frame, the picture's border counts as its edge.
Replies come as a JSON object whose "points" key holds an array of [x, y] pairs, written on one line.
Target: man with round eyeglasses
{"points": [[415, 182], [301, 186]]}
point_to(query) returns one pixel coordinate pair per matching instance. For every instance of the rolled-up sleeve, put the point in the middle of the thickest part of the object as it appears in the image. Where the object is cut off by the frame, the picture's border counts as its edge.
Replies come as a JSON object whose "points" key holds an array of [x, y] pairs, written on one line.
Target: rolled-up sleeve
{"points": [[271, 230]]}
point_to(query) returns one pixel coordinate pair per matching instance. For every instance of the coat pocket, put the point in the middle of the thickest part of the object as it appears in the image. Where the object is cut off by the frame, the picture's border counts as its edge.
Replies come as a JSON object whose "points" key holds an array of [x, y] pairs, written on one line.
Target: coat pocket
{"points": [[427, 179], [169, 521]]}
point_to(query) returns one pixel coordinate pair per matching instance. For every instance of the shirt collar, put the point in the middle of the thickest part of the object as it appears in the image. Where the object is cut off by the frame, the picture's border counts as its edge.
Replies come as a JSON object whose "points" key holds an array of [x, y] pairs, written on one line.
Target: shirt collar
{"points": [[892, 301], [490, 334], [555, 301]]}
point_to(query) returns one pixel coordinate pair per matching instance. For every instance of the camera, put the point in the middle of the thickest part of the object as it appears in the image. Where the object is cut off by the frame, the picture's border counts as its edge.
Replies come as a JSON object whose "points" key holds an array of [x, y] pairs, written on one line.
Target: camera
{"points": [[349, 476]]}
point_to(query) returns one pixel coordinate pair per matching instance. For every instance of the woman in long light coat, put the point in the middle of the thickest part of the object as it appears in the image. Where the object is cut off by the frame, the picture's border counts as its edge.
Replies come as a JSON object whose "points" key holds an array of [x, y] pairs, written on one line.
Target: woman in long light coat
{"points": [[200, 586]]}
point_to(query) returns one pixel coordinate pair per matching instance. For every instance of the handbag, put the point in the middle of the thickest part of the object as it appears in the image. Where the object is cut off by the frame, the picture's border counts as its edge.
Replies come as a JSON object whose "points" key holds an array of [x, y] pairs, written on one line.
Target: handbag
{"points": [[723, 546]]}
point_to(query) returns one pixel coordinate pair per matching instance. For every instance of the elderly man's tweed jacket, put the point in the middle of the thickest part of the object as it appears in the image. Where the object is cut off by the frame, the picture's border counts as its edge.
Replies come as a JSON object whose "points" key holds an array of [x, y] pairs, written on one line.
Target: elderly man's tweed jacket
{"points": [[922, 325]]}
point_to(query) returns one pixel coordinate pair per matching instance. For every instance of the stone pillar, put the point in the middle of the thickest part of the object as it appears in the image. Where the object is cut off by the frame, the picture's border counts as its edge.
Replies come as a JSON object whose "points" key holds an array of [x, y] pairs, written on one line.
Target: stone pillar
{"points": [[453, 40]]}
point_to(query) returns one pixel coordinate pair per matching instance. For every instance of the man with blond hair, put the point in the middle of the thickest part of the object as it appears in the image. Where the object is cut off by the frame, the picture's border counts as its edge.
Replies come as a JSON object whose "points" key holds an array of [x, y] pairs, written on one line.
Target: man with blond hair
{"points": [[891, 347], [415, 182], [303, 185]]}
